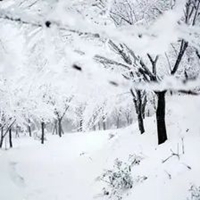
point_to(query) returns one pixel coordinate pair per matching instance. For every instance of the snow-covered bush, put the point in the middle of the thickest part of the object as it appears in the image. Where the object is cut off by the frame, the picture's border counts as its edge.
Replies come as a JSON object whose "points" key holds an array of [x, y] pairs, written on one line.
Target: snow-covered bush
{"points": [[120, 179], [194, 193]]}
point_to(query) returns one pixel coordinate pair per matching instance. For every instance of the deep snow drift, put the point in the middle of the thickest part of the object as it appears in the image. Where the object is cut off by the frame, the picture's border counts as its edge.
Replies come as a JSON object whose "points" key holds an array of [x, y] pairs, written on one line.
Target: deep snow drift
{"points": [[66, 168]]}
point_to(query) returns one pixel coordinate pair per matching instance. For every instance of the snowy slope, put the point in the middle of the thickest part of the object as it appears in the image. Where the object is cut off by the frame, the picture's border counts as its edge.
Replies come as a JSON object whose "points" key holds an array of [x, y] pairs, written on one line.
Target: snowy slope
{"points": [[67, 168]]}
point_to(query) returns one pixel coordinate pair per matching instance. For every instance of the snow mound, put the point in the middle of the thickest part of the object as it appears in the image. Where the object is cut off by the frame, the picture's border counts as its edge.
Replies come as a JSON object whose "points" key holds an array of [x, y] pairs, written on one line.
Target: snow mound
{"points": [[67, 168]]}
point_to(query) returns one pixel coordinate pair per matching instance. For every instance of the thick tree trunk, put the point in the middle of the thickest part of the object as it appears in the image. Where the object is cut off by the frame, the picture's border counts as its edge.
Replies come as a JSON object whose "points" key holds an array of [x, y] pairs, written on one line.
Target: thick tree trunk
{"points": [[140, 109], [42, 136], [10, 138], [140, 123], [160, 117]]}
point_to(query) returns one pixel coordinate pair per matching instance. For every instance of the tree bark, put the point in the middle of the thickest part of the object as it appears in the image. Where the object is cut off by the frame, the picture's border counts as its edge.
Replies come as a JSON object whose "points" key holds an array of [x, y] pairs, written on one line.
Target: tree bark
{"points": [[81, 125], [42, 136], [2, 138], [160, 117], [140, 109], [10, 138], [140, 123], [29, 127], [140, 113], [59, 127], [104, 123]]}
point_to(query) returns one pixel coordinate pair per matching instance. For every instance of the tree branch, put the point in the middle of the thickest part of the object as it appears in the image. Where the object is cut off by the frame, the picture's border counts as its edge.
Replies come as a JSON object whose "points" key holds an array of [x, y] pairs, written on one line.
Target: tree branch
{"points": [[183, 47], [102, 59], [153, 63]]}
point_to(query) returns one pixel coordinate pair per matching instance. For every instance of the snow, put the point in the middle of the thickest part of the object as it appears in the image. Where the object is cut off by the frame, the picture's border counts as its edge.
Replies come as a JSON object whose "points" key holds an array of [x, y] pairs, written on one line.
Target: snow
{"points": [[67, 168], [41, 45]]}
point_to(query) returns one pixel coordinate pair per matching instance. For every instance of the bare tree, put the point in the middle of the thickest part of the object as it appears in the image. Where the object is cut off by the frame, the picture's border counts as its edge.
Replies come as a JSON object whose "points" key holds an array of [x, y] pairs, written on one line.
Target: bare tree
{"points": [[140, 100], [42, 134], [136, 67]]}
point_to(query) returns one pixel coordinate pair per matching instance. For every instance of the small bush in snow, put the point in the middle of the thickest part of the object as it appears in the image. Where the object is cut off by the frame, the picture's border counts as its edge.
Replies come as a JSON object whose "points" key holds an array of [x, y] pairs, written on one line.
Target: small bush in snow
{"points": [[120, 179], [194, 193]]}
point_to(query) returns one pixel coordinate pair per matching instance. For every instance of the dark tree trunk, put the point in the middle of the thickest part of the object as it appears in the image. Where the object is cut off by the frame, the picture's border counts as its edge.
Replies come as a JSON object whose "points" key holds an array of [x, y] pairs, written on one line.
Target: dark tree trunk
{"points": [[104, 123], [140, 123], [140, 112], [143, 106], [42, 136], [10, 138], [2, 138], [140, 108], [60, 127], [29, 127], [160, 117], [81, 125]]}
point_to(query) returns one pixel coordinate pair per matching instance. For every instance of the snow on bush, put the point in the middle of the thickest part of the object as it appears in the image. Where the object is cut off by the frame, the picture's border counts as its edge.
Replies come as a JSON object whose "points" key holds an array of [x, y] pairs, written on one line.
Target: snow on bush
{"points": [[120, 179], [194, 193]]}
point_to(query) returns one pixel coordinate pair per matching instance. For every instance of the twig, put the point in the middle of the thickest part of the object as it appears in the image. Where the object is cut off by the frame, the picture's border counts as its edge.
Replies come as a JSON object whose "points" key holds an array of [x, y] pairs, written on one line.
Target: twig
{"points": [[183, 147], [172, 154], [169, 175]]}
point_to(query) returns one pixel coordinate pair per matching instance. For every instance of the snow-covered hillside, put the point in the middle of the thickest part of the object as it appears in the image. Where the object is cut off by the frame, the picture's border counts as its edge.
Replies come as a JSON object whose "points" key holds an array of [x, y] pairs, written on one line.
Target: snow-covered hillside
{"points": [[67, 168]]}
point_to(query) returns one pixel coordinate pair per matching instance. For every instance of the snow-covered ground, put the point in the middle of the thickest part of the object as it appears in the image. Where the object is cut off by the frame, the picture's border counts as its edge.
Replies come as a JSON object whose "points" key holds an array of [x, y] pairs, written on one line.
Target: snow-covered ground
{"points": [[66, 168]]}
